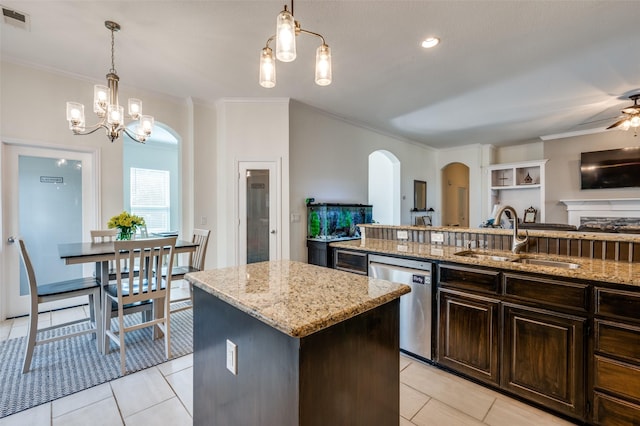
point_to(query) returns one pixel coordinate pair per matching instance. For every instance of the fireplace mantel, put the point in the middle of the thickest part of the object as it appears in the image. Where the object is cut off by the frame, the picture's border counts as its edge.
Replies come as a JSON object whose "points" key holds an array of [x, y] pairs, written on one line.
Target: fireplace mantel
{"points": [[615, 208]]}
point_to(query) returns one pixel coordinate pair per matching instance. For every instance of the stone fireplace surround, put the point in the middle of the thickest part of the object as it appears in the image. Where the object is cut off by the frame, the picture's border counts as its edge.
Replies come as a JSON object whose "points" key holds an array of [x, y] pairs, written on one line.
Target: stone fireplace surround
{"points": [[616, 215]]}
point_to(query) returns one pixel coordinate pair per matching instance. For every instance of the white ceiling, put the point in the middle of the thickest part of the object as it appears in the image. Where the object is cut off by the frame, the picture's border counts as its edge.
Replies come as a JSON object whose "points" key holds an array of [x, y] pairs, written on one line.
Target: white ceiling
{"points": [[506, 72]]}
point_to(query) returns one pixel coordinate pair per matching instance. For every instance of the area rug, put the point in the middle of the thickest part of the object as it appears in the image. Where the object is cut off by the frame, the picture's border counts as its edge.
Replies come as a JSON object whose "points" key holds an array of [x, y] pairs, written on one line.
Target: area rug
{"points": [[70, 365]]}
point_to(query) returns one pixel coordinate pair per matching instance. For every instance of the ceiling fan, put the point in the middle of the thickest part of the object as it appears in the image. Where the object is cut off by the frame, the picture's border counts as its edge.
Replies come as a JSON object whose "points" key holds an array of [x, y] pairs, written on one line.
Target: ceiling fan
{"points": [[630, 117]]}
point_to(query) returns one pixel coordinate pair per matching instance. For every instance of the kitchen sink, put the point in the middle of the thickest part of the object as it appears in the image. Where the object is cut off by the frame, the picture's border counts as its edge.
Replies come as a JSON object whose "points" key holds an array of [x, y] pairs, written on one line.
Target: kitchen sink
{"points": [[517, 259], [545, 262], [485, 256]]}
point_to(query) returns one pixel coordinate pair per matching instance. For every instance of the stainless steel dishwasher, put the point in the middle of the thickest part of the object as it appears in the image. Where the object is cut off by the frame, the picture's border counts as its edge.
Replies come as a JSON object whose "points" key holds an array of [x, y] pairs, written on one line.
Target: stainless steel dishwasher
{"points": [[415, 307]]}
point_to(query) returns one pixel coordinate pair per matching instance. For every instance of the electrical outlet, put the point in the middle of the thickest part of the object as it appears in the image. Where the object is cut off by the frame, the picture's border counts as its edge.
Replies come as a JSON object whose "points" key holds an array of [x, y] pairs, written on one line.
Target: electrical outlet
{"points": [[203, 220], [437, 237], [232, 357], [402, 235]]}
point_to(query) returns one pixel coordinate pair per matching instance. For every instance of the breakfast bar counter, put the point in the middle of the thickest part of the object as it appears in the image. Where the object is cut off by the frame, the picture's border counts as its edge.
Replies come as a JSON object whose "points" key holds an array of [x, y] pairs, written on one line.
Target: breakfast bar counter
{"points": [[289, 343]]}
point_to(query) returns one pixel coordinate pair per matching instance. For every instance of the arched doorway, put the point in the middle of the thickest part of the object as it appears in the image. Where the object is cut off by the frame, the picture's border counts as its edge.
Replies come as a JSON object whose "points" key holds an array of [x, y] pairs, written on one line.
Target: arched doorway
{"points": [[384, 187], [455, 195]]}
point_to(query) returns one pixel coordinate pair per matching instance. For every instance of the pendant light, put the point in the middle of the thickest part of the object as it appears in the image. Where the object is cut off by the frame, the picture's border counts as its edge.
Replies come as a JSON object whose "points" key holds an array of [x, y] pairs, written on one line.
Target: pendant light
{"points": [[287, 29]]}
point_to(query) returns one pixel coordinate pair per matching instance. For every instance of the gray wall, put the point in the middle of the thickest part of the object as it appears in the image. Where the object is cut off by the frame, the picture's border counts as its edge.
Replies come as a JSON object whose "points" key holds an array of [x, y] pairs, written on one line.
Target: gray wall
{"points": [[563, 170], [329, 162]]}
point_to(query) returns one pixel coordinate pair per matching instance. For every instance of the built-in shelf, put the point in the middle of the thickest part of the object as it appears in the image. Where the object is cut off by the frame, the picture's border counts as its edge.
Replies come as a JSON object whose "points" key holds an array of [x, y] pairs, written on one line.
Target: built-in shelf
{"points": [[520, 185]]}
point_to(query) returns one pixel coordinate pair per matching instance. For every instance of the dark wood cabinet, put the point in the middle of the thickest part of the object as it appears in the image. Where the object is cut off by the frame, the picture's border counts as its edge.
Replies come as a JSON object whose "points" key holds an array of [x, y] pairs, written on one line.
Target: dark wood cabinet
{"points": [[543, 357], [523, 333], [468, 338], [616, 358]]}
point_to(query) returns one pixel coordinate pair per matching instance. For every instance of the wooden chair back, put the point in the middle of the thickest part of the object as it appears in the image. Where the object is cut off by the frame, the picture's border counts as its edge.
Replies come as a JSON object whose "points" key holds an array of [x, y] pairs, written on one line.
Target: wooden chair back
{"points": [[31, 276], [104, 235], [196, 259], [148, 254]]}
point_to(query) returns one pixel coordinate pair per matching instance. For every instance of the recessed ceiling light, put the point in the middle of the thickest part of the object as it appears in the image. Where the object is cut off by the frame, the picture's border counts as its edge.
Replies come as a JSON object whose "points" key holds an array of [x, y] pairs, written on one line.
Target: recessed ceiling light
{"points": [[430, 42]]}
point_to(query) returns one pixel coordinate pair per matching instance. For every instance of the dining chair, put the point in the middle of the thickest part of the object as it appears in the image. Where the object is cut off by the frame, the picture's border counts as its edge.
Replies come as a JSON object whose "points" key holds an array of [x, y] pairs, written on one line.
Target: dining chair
{"points": [[44, 293], [196, 263], [141, 232], [145, 286], [106, 236]]}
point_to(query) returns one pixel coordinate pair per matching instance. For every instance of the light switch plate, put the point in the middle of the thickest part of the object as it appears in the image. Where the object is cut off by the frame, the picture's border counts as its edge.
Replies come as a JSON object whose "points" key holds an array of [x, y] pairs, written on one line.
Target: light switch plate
{"points": [[232, 357]]}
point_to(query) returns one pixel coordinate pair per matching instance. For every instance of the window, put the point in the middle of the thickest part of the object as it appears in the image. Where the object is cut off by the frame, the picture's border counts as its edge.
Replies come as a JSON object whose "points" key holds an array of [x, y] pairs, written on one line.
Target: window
{"points": [[150, 197], [151, 179]]}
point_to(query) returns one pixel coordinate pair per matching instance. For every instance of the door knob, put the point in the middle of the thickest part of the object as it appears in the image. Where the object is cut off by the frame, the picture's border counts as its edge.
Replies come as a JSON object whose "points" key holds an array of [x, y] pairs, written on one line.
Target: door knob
{"points": [[273, 231], [11, 239]]}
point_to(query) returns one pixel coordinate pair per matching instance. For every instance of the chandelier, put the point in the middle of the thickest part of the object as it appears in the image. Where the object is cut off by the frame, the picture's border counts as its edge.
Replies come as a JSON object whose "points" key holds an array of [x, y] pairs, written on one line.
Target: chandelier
{"points": [[107, 108], [630, 117], [287, 28]]}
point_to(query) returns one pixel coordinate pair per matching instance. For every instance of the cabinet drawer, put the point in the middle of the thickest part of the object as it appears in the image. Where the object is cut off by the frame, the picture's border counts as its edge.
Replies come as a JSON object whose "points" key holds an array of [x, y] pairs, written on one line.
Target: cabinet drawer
{"points": [[617, 377], [617, 340], [617, 303], [350, 261], [612, 411], [549, 292], [469, 278]]}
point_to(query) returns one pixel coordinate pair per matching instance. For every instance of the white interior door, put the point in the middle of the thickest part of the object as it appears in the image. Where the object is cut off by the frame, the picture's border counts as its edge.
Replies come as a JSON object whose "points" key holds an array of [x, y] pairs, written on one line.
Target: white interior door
{"points": [[48, 197], [259, 238]]}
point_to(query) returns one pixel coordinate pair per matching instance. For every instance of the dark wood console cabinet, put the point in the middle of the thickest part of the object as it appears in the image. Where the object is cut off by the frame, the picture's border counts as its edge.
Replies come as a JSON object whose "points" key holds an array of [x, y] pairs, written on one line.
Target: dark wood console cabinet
{"points": [[319, 253]]}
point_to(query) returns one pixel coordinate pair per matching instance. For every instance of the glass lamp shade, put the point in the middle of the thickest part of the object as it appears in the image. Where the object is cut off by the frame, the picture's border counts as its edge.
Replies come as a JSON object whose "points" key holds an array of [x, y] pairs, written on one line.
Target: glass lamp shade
{"points": [[285, 37], [100, 99], [135, 108], [115, 114], [267, 68], [635, 121], [323, 66], [75, 115], [146, 125], [625, 124]]}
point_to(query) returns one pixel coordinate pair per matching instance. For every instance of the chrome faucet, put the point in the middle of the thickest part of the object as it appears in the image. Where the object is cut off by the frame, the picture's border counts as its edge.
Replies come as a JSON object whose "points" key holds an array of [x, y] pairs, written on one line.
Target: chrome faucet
{"points": [[518, 243]]}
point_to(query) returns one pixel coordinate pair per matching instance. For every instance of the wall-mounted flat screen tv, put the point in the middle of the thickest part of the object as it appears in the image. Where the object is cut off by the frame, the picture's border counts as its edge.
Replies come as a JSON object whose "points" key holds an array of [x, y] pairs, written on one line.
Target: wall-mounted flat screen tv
{"points": [[613, 168]]}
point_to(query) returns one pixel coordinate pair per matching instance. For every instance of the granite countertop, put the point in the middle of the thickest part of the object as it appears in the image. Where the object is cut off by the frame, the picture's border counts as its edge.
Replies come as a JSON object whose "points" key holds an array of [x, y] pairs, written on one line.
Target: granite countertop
{"points": [[590, 269], [296, 298]]}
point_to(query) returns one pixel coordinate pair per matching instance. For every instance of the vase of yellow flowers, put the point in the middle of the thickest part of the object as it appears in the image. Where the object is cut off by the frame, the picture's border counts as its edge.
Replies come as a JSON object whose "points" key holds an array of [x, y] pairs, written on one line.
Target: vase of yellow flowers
{"points": [[126, 223]]}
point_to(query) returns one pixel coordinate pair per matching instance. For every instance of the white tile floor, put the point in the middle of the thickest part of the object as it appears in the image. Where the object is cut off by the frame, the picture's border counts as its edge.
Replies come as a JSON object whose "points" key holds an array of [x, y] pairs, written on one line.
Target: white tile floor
{"points": [[428, 396]]}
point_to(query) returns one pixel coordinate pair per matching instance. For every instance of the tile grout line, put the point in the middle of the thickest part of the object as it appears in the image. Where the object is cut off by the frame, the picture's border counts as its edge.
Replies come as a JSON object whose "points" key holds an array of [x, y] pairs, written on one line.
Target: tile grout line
{"points": [[423, 405], [176, 393], [489, 410], [115, 398]]}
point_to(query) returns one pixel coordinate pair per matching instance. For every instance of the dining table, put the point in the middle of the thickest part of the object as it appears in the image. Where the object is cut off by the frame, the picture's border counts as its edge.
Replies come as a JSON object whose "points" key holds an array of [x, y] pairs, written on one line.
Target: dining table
{"points": [[103, 253]]}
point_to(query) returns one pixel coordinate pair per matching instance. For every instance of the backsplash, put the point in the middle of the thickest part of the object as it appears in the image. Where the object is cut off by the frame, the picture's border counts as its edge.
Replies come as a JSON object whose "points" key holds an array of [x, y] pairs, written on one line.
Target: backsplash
{"points": [[605, 246]]}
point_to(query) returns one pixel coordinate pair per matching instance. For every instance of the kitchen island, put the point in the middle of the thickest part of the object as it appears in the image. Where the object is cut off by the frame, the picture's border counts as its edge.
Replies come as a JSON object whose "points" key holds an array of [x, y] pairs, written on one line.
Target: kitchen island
{"points": [[289, 343]]}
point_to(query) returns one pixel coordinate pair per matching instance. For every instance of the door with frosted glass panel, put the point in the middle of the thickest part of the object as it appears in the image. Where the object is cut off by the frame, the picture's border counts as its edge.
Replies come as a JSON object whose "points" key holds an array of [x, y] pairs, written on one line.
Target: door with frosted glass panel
{"points": [[48, 198], [258, 234]]}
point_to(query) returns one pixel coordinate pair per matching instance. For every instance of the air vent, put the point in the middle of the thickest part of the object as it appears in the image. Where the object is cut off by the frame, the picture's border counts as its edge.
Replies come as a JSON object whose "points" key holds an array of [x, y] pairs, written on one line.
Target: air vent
{"points": [[16, 19]]}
